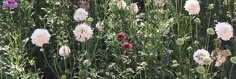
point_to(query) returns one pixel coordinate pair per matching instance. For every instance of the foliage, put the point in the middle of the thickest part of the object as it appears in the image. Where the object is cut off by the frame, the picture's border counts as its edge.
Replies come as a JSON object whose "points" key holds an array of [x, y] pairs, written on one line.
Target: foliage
{"points": [[163, 36]]}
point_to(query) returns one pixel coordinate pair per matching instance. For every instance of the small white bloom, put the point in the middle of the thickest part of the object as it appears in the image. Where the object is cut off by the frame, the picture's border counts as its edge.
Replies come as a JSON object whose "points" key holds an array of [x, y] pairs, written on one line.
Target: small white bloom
{"points": [[192, 6], [121, 4], [99, 26], [40, 37], [133, 8], [83, 32], [58, 3], [80, 14], [224, 31], [64, 51], [199, 55]]}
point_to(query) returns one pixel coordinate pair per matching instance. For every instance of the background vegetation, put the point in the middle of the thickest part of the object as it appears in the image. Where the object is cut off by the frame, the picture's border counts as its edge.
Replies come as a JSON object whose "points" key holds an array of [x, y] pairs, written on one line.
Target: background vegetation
{"points": [[163, 35]]}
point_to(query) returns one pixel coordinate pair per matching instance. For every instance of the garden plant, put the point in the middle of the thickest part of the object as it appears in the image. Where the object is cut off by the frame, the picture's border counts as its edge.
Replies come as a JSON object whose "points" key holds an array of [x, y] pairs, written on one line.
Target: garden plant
{"points": [[117, 39]]}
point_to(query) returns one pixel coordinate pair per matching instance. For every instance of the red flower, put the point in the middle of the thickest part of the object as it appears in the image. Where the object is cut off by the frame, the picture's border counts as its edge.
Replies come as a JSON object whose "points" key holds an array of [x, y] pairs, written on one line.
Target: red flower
{"points": [[121, 36], [127, 45]]}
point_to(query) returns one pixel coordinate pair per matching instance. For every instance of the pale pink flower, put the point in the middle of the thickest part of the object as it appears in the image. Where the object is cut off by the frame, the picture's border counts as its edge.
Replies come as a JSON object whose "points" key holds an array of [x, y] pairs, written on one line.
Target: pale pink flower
{"points": [[100, 25], [40, 37], [134, 8], [160, 3], [83, 32], [199, 55], [192, 6], [64, 51], [80, 14], [121, 4], [224, 31]]}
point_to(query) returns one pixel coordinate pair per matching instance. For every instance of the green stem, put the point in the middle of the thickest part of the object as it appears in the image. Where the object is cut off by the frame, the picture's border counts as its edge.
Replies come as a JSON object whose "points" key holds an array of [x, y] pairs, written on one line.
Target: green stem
{"points": [[65, 64], [49, 64], [232, 66], [208, 25], [196, 32]]}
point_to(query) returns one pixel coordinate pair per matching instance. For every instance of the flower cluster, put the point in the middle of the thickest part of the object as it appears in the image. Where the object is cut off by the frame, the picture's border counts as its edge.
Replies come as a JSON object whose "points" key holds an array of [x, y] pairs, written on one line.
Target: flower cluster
{"points": [[133, 7], [125, 45], [157, 37], [82, 31]]}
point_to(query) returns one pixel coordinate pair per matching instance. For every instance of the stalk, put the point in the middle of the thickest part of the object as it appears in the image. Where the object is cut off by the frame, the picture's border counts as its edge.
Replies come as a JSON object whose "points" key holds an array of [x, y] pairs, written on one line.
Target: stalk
{"points": [[49, 64], [232, 66]]}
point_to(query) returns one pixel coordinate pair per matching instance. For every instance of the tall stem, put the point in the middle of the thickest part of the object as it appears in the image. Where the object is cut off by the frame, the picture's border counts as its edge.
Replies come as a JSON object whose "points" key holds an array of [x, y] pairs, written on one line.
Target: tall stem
{"points": [[49, 64], [232, 66]]}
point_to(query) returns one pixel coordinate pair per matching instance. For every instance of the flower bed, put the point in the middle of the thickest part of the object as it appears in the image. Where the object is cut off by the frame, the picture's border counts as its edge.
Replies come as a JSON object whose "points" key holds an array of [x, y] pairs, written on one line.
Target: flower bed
{"points": [[117, 39]]}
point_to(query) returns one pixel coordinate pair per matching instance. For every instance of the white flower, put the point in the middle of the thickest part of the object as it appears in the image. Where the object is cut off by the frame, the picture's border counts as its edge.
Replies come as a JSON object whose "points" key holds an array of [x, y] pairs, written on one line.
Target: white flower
{"points": [[64, 51], [80, 14], [192, 6], [133, 8], [121, 4], [99, 26], [224, 31], [199, 55], [83, 32], [40, 37]]}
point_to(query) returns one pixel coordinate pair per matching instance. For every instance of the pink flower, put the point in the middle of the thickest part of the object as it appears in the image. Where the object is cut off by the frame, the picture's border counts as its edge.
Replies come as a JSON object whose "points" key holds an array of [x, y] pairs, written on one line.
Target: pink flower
{"points": [[40, 37], [80, 14], [121, 36], [127, 45], [11, 4], [224, 31], [83, 32], [199, 55], [160, 3], [192, 6]]}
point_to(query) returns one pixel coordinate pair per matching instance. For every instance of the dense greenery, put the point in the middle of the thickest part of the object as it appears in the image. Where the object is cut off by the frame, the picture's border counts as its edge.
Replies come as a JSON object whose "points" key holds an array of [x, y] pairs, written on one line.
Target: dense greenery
{"points": [[163, 35]]}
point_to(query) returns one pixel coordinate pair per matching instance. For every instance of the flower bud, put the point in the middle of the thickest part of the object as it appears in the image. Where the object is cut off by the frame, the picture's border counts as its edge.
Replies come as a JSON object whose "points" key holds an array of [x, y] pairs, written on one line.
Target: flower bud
{"points": [[233, 59], [227, 52], [210, 31], [89, 20], [196, 42], [200, 69], [64, 51], [180, 41], [190, 49], [197, 20], [63, 77], [211, 6], [207, 60]]}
